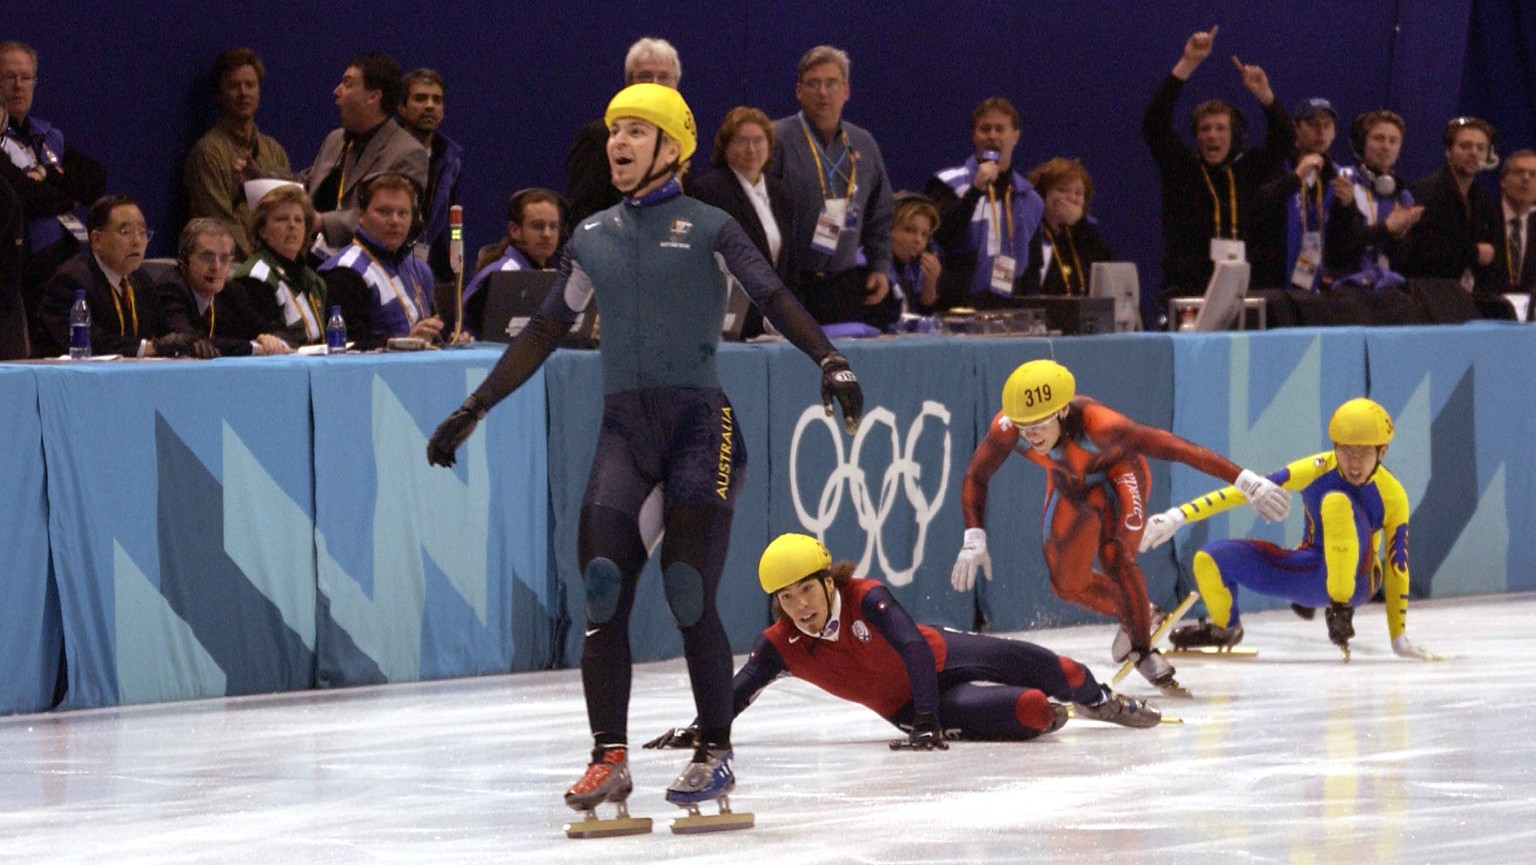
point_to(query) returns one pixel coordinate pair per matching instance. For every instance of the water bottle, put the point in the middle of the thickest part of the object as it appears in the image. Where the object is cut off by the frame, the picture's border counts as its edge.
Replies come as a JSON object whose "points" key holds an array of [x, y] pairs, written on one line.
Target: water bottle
{"points": [[80, 328], [335, 332]]}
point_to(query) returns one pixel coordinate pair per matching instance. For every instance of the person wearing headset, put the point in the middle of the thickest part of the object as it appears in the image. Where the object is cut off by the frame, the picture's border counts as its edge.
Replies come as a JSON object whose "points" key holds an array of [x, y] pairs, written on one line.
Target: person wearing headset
{"points": [[1354, 507], [1208, 194], [850, 637], [1365, 241], [1097, 483], [1459, 231], [383, 289], [655, 267]]}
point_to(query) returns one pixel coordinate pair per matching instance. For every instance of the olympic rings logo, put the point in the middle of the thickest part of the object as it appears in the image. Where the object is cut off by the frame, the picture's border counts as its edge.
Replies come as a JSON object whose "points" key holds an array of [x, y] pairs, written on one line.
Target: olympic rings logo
{"points": [[872, 513]]}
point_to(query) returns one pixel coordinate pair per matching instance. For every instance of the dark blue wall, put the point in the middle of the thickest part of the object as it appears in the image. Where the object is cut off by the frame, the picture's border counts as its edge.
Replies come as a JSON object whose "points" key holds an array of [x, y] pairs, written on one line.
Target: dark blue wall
{"points": [[127, 81]]}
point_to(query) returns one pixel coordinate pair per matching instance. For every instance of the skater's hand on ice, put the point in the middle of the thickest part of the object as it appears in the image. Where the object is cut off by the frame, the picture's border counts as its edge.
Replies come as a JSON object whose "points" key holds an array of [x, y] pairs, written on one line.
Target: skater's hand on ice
{"points": [[973, 555], [677, 737], [1161, 528], [1405, 648], [452, 432], [1272, 501], [925, 735], [838, 383]]}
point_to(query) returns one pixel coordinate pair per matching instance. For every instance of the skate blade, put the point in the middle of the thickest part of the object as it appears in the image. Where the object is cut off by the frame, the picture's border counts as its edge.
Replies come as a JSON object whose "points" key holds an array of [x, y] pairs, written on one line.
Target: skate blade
{"points": [[1171, 719], [1174, 690], [1157, 636], [1214, 651], [1344, 654], [597, 827], [726, 821]]}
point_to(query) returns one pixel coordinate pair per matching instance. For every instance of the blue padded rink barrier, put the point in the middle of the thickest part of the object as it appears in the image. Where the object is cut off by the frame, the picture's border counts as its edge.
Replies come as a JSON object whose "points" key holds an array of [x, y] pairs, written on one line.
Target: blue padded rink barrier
{"points": [[1292, 756]]}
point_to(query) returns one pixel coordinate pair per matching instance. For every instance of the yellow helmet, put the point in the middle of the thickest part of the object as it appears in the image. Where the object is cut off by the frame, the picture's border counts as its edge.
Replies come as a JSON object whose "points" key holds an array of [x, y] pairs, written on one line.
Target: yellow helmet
{"points": [[1360, 422], [663, 106], [1036, 390], [789, 559]]}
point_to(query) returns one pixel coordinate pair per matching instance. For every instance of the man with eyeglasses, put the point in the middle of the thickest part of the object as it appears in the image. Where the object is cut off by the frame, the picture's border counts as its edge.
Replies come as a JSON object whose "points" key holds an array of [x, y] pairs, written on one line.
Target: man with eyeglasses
{"points": [[588, 183], [217, 311], [839, 245], [1514, 267], [126, 318], [52, 180]]}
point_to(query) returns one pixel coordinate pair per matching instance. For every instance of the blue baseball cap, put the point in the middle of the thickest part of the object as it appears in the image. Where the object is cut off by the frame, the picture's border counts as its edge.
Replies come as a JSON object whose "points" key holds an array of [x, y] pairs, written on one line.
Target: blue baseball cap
{"points": [[1311, 107]]}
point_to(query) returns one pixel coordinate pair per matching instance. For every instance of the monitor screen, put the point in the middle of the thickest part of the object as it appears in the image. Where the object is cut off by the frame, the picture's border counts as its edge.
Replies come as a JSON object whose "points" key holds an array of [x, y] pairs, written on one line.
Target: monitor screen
{"points": [[1223, 306], [1118, 281]]}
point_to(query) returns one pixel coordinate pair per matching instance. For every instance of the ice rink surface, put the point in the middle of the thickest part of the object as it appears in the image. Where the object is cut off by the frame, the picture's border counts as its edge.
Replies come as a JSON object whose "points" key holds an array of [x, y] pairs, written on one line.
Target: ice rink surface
{"points": [[1290, 757]]}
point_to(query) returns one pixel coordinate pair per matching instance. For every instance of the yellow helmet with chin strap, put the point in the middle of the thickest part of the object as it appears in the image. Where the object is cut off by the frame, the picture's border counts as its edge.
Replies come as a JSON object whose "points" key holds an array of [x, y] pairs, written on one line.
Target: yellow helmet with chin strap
{"points": [[1360, 422], [1036, 390], [789, 559], [661, 106]]}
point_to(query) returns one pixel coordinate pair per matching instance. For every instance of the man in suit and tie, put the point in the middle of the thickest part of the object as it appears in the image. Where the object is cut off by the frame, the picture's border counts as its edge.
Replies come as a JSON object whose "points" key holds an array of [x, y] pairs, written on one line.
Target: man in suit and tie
{"points": [[200, 292], [1514, 268], [125, 318], [368, 143]]}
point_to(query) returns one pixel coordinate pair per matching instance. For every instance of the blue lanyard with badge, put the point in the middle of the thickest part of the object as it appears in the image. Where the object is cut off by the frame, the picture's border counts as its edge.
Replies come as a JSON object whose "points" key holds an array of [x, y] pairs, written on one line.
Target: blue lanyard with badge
{"points": [[836, 213]]}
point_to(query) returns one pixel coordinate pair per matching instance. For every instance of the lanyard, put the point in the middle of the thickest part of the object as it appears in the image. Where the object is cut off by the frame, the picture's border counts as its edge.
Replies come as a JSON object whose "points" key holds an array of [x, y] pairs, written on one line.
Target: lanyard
{"points": [[133, 309], [1007, 209], [1216, 200], [212, 317], [1302, 206], [1509, 256], [821, 171], [396, 282], [1077, 264], [341, 186]]}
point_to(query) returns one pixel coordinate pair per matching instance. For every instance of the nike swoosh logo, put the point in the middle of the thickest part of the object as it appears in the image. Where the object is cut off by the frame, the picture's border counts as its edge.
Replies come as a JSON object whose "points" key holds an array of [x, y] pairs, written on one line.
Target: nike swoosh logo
{"points": [[590, 225], [795, 638], [593, 631]]}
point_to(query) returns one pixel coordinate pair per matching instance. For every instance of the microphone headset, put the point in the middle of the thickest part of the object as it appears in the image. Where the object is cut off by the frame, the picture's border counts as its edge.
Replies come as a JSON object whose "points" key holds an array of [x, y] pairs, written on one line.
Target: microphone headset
{"points": [[1459, 123], [1382, 181]]}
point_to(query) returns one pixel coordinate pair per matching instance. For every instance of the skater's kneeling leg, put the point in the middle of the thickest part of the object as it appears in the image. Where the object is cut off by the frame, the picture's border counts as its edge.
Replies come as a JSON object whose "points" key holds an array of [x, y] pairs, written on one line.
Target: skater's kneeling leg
{"points": [[997, 713], [1213, 590]]}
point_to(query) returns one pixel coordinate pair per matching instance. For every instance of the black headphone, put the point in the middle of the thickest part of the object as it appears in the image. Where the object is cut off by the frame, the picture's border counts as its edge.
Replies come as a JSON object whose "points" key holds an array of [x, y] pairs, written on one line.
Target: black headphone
{"points": [[1459, 123], [1239, 122], [1384, 184]]}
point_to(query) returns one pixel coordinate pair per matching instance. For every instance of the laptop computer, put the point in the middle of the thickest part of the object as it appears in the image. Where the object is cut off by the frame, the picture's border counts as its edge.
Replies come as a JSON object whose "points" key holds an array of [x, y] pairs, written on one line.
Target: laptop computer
{"points": [[511, 299], [737, 305], [1118, 280], [1223, 306]]}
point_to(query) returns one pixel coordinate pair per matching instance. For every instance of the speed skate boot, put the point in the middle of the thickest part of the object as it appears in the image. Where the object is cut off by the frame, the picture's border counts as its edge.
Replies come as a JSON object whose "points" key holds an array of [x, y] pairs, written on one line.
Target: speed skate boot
{"points": [[709, 775], [1155, 669], [1206, 634], [1120, 649], [606, 780], [1124, 711]]}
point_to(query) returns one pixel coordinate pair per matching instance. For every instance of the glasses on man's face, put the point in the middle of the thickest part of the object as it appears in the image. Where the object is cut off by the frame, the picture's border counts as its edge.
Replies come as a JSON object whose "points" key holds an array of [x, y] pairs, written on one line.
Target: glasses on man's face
{"points": [[133, 232], [13, 79], [831, 85], [209, 257]]}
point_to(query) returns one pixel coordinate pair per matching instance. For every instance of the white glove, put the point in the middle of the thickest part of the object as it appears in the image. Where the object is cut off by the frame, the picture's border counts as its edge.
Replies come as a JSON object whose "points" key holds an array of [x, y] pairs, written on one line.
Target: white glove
{"points": [[1161, 528], [1272, 501], [973, 553], [1403, 648]]}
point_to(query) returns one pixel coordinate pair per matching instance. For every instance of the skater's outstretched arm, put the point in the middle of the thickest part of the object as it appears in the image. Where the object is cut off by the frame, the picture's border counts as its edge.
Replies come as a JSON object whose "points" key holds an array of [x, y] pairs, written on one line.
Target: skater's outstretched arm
{"points": [[896, 626], [1295, 476], [763, 666]]}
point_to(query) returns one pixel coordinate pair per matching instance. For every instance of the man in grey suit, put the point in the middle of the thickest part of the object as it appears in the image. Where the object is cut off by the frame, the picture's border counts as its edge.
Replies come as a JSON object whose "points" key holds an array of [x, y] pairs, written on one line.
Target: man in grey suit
{"points": [[369, 142]]}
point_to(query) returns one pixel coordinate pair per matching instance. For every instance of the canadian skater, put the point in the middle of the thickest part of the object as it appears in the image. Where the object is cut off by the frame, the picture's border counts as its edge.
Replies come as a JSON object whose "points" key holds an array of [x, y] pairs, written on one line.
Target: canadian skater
{"points": [[1353, 505], [1096, 489], [655, 265], [848, 636]]}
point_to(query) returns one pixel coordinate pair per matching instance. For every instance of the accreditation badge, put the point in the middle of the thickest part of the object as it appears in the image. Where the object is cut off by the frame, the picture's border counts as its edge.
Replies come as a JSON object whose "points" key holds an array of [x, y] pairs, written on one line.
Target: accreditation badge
{"points": [[829, 225], [1226, 249], [1002, 274], [1304, 274]]}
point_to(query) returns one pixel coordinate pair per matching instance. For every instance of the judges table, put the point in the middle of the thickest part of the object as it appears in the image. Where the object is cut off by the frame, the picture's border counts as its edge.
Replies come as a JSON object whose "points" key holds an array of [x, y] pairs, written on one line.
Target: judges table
{"points": [[187, 529]]}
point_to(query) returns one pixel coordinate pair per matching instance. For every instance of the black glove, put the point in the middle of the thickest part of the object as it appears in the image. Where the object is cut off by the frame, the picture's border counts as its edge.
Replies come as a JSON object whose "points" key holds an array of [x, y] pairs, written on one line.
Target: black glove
{"points": [[172, 344], [203, 349], [1341, 623], [838, 382], [925, 735], [453, 431], [677, 737]]}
